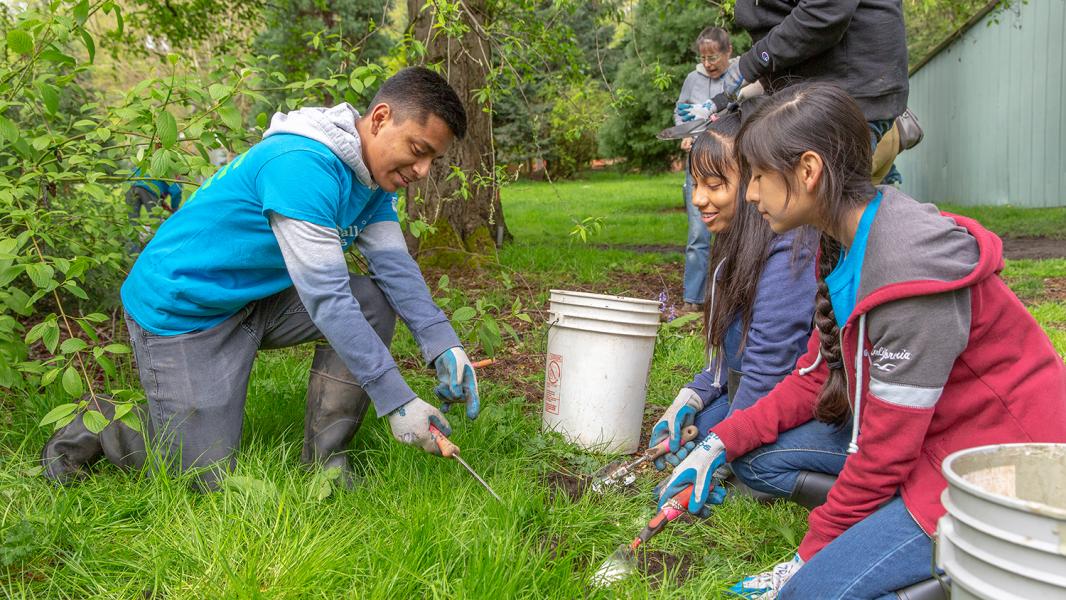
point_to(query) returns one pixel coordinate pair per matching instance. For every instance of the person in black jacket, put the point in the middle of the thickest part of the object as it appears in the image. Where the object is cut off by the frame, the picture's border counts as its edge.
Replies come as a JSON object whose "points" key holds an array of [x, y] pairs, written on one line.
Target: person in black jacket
{"points": [[858, 45]]}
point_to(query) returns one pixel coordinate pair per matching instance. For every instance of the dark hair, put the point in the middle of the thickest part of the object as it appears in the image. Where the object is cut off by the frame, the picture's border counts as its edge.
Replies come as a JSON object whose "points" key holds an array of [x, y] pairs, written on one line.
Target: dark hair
{"points": [[819, 118], [417, 92], [717, 36], [742, 248]]}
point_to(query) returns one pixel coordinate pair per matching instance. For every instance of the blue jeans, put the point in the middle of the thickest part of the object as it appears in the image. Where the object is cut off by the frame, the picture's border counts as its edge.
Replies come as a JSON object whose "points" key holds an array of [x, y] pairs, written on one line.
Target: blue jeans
{"points": [[697, 249], [884, 552]]}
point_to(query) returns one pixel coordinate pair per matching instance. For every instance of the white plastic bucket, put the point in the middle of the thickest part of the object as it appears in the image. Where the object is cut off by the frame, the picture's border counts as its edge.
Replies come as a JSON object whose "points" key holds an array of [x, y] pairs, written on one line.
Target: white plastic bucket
{"points": [[1004, 534], [596, 373]]}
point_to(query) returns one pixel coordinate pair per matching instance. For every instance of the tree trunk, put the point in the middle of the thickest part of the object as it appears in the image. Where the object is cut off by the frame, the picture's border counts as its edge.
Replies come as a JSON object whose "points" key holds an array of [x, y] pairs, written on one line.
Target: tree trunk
{"points": [[460, 197]]}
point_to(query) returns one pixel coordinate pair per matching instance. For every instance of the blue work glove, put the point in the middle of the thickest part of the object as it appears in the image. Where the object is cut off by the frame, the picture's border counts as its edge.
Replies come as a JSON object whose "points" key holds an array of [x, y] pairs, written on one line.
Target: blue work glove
{"points": [[410, 425], [458, 382], [688, 112], [698, 471], [680, 414], [766, 586]]}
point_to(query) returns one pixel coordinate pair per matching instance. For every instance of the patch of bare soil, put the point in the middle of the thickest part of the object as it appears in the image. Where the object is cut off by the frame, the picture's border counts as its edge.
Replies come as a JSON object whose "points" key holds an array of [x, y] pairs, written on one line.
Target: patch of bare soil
{"points": [[673, 209], [1039, 248], [644, 248], [660, 565], [570, 486], [1054, 289]]}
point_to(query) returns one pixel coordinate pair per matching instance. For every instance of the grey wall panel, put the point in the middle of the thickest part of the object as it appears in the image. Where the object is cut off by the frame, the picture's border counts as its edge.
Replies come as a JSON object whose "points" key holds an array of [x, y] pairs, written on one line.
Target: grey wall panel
{"points": [[992, 106]]}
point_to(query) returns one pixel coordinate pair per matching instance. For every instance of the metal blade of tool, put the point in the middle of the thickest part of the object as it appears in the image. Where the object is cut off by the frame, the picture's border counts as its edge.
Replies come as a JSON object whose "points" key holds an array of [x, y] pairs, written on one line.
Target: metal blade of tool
{"points": [[478, 477], [623, 474]]}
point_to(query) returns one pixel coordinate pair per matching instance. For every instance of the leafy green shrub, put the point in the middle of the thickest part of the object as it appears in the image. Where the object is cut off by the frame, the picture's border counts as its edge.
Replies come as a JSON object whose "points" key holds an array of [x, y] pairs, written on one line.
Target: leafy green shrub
{"points": [[575, 119]]}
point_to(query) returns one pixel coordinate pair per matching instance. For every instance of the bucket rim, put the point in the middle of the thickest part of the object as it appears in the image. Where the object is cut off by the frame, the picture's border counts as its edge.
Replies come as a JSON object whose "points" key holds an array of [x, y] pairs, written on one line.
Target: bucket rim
{"points": [[605, 297], [956, 480]]}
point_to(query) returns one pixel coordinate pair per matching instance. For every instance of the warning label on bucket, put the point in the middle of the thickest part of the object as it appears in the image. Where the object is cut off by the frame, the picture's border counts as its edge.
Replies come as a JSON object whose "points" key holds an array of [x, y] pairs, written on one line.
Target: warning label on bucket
{"points": [[552, 381]]}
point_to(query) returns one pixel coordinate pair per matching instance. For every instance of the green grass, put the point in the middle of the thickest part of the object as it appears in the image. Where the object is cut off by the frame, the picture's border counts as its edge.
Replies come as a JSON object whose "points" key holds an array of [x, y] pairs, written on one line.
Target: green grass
{"points": [[1016, 222], [415, 526]]}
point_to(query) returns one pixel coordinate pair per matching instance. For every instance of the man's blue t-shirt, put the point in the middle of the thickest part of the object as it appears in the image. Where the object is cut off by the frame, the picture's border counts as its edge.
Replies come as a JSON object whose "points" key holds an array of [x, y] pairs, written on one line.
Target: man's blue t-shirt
{"points": [[218, 253], [843, 281]]}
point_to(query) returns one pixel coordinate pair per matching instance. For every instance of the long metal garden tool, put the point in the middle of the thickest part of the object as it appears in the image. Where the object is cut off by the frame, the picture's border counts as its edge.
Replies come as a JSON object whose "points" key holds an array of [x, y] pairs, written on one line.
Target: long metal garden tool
{"points": [[448, 449], [622, 474], [624, 560]]}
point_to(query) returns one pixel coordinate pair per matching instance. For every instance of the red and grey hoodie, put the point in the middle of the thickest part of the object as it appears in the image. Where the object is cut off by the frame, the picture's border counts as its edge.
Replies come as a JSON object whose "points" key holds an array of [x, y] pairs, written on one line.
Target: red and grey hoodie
{"points": [[940, 356]]}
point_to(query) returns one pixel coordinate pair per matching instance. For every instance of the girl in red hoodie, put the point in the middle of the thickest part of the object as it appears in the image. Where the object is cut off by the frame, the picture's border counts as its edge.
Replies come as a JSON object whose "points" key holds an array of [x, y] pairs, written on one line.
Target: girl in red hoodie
{"points": [[919, 350]]}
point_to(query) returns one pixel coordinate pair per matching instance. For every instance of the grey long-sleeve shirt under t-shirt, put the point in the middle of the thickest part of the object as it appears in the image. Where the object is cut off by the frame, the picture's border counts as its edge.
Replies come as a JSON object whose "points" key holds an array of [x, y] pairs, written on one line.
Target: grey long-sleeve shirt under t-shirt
{"points": [[314, 259]]}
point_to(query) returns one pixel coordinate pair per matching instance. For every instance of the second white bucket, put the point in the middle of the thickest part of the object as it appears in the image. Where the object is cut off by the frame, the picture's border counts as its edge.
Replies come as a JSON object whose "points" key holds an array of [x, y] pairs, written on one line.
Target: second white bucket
{"points": [[596, 373]]}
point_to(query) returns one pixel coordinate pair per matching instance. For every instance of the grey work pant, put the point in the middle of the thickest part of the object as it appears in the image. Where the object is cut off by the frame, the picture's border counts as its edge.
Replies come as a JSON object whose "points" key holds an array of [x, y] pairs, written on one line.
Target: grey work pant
{"points": [[196, 382]]}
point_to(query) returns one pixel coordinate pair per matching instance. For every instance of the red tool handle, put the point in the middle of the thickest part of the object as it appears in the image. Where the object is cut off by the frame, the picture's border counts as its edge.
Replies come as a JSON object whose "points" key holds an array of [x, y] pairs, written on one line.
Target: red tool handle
{"points": [[674, 508], [663, 448], [447, 448]]}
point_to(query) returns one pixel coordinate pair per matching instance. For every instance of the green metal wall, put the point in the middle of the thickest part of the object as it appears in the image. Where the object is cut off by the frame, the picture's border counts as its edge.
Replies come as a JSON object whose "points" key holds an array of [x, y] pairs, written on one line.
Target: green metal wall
{"points": [[993, 107]]}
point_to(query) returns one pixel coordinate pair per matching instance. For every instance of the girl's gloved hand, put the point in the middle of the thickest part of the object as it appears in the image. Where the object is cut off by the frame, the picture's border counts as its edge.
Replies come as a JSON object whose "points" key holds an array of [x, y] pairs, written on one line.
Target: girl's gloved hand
{"points": [[680, 414], [458, 382], [766, 586], [698, 471]]}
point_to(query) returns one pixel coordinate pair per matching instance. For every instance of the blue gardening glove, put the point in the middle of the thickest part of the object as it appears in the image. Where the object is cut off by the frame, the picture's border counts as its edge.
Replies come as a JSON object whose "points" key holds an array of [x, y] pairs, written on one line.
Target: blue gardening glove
{"points": [[458, 383], [410, 425], [680, 414], [698, 471], [688, 112], [766, 586]]}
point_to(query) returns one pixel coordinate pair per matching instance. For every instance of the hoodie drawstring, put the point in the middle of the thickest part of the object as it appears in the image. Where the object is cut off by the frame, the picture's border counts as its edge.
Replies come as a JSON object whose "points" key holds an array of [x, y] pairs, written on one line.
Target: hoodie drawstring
{"points": [[710, 351], [853, 447]]}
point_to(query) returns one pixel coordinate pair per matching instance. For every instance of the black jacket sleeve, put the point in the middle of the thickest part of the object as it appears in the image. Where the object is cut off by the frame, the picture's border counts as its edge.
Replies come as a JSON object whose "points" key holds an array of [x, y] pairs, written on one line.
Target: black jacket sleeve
{"points": [[812, 27]]}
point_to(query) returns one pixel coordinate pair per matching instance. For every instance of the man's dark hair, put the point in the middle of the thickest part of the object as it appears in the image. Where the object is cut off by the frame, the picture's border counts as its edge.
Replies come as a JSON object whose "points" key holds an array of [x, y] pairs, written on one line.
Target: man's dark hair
{"points": [[417, 92]]}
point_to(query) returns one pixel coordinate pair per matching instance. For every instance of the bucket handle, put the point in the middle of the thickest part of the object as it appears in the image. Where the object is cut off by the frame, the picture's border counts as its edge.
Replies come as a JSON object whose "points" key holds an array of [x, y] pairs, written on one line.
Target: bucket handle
{"points": [[945, 586]]}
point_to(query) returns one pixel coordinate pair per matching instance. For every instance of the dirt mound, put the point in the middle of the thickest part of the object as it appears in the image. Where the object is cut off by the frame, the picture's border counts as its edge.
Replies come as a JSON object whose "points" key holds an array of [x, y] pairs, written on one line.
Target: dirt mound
{"points": [[1039, 248]]}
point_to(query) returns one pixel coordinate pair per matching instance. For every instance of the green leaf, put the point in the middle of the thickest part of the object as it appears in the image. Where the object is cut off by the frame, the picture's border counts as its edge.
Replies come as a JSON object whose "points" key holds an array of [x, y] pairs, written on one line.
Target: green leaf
{"points": [[50, 376], [81, 11], [19, 41], [71, 345], [8, 129], [132, 421], [55, 56], [36, 332], [73, 288], [122, 409], [442, 283], [356, 83], [86, 38], [231, 116], [463, 314], [167, 127], [96, 317], [682, 320], [262, 120], [50, 337], [58, 413], [67, 420], [524, 317], [117, 348], [49, 96], [160, 163], [107, 365], [72, 383], [489, 335], [40, 274], [218, 91], [94, 421]]}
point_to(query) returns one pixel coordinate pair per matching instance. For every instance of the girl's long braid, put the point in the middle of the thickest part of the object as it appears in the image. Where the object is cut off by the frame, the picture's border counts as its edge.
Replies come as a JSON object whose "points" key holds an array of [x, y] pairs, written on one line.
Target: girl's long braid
{"points": [[832, 405]]}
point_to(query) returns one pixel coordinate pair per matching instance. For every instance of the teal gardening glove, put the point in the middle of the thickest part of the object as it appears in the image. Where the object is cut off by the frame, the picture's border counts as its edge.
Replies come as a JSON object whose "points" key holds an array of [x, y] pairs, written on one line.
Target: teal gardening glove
{"points": [[458, 382], [680, 414], [698, 471]]}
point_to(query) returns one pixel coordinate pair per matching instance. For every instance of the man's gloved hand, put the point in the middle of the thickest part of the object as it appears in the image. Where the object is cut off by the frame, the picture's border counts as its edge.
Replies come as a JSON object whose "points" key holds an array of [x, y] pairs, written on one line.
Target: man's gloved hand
{"points": [[458, 382], [698, 471], [766, 586], [680, 414], [410, 425], [688, 112]]}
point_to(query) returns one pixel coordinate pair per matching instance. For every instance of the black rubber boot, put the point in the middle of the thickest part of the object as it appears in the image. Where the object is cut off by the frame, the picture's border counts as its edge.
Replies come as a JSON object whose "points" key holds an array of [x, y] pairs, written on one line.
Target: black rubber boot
{"points": [[72, 450], [812, 488], [335, 409], [930, 589], [124, 446]]}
